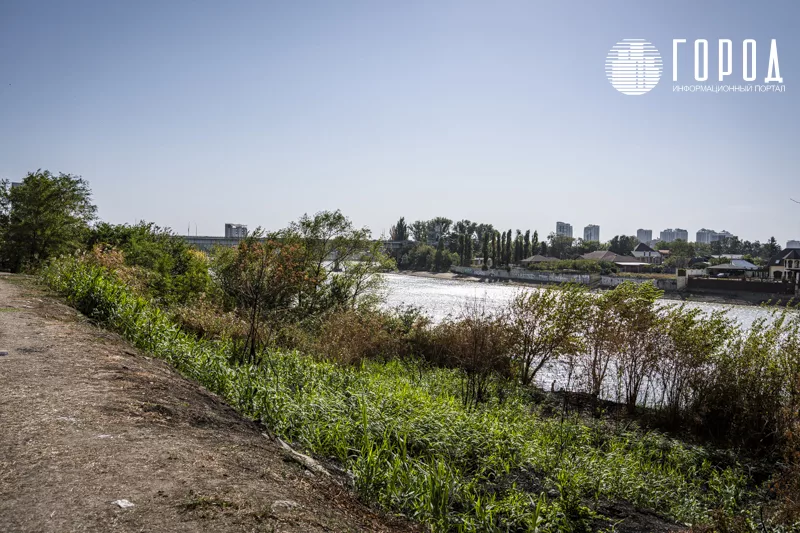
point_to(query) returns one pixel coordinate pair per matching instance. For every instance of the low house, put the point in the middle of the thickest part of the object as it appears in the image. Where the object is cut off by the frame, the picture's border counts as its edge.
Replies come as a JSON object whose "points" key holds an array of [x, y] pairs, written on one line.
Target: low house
{"points": [[630, 264], [736, 268], [624, 262], [785, 265], [645, 254], [602, 255], [538, 259]]}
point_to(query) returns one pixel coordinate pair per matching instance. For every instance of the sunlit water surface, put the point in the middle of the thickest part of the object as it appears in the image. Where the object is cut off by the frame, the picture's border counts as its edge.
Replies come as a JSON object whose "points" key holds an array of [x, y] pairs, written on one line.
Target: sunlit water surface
{"points": [[440, 298]]}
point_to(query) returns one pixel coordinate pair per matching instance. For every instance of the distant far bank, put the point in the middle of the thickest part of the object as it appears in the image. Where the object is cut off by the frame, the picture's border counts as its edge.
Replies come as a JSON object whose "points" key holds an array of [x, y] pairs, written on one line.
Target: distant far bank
{"points": [[672, 296]]}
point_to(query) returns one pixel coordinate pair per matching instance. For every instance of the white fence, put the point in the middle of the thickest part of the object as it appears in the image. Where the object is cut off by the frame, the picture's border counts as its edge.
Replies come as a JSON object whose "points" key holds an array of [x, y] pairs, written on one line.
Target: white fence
{"points": [[556, 277], [525, 275]]}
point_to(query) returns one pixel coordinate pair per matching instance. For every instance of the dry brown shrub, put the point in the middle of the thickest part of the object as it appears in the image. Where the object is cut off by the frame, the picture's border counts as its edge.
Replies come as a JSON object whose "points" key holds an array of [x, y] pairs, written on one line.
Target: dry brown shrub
{"points": [[350, 336]]}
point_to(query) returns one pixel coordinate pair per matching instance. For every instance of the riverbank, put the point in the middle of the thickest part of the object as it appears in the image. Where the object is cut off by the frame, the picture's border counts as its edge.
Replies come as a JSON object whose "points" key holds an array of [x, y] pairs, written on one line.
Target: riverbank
{"points": [[416, 442], [668, 295], [88, 420]]}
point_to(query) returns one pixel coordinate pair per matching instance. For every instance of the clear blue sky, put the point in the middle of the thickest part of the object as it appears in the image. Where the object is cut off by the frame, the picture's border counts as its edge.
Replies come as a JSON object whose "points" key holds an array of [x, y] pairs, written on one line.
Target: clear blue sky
{"points": [[500, 112]]}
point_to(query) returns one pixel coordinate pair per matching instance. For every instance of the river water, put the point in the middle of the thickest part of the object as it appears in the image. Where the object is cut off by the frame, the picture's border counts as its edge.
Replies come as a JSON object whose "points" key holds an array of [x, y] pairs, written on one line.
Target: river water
{"points": [[443, 297], [447, 297]]}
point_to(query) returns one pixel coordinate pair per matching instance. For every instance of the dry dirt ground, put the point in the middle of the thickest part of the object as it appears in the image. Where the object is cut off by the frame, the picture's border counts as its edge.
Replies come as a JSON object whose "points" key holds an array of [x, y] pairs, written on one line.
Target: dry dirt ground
{"points": [[86, 420]]}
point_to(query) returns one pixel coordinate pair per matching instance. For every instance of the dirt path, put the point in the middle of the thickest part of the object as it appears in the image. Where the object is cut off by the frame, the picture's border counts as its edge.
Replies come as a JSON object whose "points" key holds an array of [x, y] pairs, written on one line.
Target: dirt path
{"points": [[86, 420]]}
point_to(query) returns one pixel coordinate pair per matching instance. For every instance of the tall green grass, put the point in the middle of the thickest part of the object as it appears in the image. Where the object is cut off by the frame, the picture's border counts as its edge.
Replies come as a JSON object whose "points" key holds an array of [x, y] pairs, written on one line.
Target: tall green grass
{"points": [[409, 442]]}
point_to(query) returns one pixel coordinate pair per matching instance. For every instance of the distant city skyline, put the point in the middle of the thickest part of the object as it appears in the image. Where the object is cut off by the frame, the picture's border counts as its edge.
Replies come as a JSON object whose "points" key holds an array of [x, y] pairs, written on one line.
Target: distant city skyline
{"points": [[198, 113]]}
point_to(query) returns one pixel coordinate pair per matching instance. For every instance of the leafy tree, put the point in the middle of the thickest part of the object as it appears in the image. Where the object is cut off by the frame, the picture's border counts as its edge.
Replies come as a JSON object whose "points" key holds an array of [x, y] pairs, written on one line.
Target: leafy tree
{"points": [[439, 228], [172, 271], [399, 232], [262, 278], [508, 248], [561, 246], [546, 324], [681, 252], [482, 229], [357, 260], [495, 255], [535, 243], [46, 216], [438, 260], [419, 230], [526, 250], [623, 244], [771, 248], [485, 250]]}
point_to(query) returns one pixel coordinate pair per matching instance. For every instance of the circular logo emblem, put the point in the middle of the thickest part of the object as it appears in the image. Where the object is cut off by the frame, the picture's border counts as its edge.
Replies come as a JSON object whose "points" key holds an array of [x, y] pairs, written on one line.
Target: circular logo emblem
{"points": [[633, 66]]}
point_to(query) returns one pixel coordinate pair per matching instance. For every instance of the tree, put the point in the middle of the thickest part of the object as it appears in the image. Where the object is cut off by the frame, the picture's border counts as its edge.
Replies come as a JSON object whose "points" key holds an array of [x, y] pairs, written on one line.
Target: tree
{"points": [[643, 341], [419, 230], [623, 244], [439, 228], [460, 248], [560, 246], [535, 242], [439, 257], [546, 324], [46, 216], [508, 248], [526, 250], [399, 232], [494, 249], [771, 248], [482, 229], [680, 253], [468, 249], [262, 277], [485, 250], [357, 260]]}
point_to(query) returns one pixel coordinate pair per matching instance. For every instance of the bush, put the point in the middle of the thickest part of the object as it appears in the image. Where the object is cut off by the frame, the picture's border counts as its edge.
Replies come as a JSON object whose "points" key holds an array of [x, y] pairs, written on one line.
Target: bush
{"points": [[162, 264], [352, 336]]}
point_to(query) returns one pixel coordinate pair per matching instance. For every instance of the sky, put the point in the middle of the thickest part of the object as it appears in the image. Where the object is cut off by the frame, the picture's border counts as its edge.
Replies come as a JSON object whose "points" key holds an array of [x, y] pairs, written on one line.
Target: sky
{"points": [[194, 114]]}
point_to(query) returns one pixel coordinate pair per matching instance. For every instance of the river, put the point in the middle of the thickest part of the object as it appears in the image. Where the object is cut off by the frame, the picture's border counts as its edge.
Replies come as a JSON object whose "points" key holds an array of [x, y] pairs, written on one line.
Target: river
{"points": [[443, 297]]}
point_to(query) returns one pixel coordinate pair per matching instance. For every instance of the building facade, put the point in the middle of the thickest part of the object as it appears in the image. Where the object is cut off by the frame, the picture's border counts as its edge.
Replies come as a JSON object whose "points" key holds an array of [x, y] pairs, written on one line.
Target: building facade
{"points": [[563, 229], [704, 236], [707, 236], [591, 233], [235, 231], [644, 235], [671, 235], [785, 265], [644, 253]]}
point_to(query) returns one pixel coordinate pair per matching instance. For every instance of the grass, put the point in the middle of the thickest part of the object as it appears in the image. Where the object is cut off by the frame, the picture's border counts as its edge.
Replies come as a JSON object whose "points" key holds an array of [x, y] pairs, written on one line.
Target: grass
{"points": [[410, 444]]}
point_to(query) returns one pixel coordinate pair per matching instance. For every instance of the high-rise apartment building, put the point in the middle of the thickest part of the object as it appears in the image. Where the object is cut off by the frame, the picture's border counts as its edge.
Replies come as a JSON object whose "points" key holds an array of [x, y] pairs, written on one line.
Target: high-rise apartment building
{"points": [[591, 233], [644, 235], [235, 231]]}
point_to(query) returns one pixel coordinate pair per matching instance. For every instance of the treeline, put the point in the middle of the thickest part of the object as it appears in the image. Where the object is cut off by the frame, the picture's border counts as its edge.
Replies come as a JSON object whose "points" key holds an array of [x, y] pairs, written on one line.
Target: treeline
{"points": [[459, 243], [440, 243]]}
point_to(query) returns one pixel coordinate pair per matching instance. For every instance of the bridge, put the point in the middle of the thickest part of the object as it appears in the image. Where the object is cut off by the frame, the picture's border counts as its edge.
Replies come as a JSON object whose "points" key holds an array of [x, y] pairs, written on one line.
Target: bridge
{"points": [[207, 242]]}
